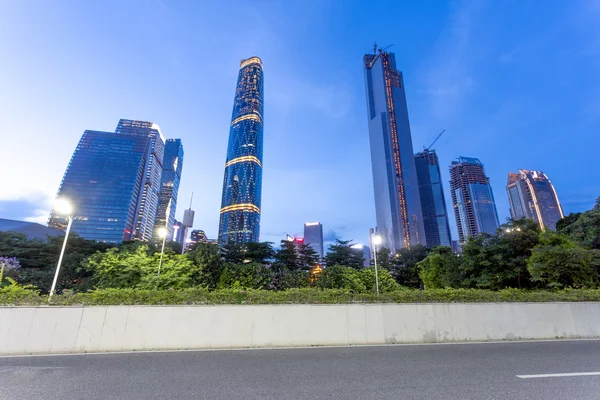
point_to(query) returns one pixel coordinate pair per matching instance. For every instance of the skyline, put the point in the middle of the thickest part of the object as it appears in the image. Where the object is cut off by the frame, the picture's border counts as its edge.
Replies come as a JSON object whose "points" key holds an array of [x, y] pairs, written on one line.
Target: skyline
{"points": [[331, 92]]}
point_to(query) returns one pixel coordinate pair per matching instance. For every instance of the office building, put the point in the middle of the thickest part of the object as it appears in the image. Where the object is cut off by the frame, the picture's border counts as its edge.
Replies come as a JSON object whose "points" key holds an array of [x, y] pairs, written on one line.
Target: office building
{"points": [[169, 186], [179, 233], [148, 200], [313, 236], [531, 195], [108, 182], [433, 201], [472, 198], [242, 183], [197, 236], [397, 202]]}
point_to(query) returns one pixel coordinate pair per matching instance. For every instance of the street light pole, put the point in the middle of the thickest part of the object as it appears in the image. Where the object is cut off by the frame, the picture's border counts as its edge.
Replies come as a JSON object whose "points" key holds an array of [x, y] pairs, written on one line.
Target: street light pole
{"points": [[62, 252], [376, 239]]}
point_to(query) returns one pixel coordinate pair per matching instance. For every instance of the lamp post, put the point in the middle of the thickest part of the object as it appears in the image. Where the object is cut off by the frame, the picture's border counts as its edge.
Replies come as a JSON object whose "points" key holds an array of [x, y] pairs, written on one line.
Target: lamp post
{"points": [[162, 233], [376, 240], [62, 207]]}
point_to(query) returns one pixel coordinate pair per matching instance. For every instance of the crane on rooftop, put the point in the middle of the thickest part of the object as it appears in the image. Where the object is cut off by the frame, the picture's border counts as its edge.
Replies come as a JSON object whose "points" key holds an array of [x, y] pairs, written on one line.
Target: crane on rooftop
{"points": [[434, 140]]}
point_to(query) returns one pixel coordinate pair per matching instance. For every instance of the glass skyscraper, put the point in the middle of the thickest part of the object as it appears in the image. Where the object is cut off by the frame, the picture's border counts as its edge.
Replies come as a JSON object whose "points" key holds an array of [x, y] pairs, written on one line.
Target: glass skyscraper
{"points": [[313, 236], [433, 202], [242, 183], [472, 198], [397, 202], [169, 185], [148, 200], [532, 195], [104, 181]]}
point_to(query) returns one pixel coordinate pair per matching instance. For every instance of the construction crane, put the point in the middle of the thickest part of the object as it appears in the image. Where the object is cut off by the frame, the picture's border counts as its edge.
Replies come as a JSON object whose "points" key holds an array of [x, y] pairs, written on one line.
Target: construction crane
{"points": [[434, 140], [378, 55]]}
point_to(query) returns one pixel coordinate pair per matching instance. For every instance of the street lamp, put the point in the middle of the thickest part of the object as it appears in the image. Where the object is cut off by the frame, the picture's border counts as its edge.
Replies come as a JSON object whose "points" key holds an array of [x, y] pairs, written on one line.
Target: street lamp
{"points": [[62, 206], [376, 240], [162, 233]]}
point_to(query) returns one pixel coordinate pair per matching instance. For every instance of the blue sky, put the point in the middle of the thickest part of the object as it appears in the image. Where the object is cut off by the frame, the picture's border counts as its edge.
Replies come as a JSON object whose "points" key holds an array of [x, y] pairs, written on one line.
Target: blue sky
{"points": [[514, 83]]}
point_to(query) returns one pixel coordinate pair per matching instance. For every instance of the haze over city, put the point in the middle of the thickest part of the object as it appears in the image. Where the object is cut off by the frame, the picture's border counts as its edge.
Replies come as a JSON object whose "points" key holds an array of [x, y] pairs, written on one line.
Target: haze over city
{"points": [[513, 85]]}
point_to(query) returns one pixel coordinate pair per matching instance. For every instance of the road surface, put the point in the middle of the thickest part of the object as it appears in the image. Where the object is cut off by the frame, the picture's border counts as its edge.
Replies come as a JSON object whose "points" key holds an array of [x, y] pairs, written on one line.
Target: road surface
{"points": [[525, 370]]}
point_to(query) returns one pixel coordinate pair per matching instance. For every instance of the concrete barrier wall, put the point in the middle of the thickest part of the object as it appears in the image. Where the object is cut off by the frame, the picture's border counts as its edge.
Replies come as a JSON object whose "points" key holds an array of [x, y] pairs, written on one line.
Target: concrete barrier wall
{"points": [[117, 328]]}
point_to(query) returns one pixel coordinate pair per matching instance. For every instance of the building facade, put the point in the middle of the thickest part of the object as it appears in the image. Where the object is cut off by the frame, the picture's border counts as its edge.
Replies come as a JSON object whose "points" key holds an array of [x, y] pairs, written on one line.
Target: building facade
{"points": [[313, 236], [149, 195], [397, 202], [472, 198], [169, 186], [433, 201], [242, 183], [179, 234], [104, 182], [531, 195]]}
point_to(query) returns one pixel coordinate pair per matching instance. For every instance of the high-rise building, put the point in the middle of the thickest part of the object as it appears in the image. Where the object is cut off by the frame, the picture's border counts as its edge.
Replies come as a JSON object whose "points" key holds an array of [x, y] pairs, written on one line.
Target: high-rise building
{"points": [[532, 195], [169, 185], [242, 183], [105, 181], [148, 200], [313, 236], [179, 234], [433, 202], [397, 203], [197, 236], [472, 198]]}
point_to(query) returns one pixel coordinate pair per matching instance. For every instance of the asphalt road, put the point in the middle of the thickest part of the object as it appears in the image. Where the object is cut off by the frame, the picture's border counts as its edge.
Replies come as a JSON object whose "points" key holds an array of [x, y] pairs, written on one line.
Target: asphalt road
{"points": [[456, 371]]}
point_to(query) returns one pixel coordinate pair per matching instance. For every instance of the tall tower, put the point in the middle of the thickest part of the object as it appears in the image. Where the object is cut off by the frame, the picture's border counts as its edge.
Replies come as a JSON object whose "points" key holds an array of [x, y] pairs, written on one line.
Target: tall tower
{"points": [[242, 183], [433, 202], [169, 185], [397, 202], [148, 200], [532, 195], [472, 198], [313, 236]]}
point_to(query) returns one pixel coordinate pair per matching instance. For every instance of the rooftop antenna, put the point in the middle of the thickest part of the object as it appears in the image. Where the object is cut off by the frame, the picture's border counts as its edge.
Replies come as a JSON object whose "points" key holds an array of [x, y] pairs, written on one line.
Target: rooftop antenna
{"points": [[374, 47], [191, 200]]}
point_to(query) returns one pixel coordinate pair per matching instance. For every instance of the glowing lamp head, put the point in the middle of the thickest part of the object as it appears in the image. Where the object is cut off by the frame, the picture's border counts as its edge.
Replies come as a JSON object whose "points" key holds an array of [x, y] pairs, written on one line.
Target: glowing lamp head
{"points": [[162, 233], [377, 240], [63, 206]]}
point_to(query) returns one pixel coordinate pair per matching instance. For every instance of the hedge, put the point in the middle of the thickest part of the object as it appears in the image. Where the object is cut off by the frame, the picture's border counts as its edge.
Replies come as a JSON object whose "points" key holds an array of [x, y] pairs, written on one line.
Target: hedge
{"points": [[27, 297]]}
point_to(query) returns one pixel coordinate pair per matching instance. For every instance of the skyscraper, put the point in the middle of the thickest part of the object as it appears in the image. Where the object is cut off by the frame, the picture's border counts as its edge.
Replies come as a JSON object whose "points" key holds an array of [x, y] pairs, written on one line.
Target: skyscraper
{"points": [[242, 183], [148, 200], [472, 198], [169, 185], [313, 236], [397, 203], [104, 181], [433, 202], [532, 195]]}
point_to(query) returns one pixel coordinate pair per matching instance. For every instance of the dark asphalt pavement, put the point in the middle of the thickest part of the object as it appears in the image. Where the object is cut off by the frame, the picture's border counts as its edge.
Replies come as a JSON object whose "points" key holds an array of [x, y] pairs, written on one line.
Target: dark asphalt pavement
{"points": [[448, 372]]}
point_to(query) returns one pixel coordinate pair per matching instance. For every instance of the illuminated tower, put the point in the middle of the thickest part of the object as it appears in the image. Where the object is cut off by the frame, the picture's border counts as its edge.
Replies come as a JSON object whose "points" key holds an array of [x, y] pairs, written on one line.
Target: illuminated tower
{"points": [[397, 200], [532, 195], [242, 183]]}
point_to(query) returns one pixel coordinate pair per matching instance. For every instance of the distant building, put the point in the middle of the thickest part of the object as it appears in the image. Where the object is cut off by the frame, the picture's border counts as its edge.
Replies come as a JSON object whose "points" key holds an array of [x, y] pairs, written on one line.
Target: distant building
{"points": [[433, 202], [31, 229], [472, 198], [197, 236], [242, 183], [532, 195], [179, 233], [397, 203], [456, 247], [169, 185], [112, 182], [367, 256], [313, 236]]}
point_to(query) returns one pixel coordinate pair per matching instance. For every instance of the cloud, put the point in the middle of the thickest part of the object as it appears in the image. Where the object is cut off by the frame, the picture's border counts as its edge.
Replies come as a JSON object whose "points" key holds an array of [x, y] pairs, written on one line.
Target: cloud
{"points": [[331, 236], [33, 208]]}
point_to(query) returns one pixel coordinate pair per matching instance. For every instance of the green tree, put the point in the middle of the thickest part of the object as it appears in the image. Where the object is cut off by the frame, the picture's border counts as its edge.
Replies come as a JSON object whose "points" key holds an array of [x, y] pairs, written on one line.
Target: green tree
{"points": [[233, 252], [586, 229], [386, 280], [385, 258], [307, 257], [259, 252], [341, 253], [207, 259], [557, 261], [568, 220], [247, 276], [341, 277], [287, 256], [404, 265], [440, 269]]}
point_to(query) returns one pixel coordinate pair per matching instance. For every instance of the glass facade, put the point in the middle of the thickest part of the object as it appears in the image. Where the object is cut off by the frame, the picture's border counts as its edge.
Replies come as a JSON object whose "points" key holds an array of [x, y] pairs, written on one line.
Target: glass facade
{"points": [[104, 181], [171, 176], [473, 199], [148, 200], [397, 200], [242, 183], [532, 195], [313, 236], [433, 202]]}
